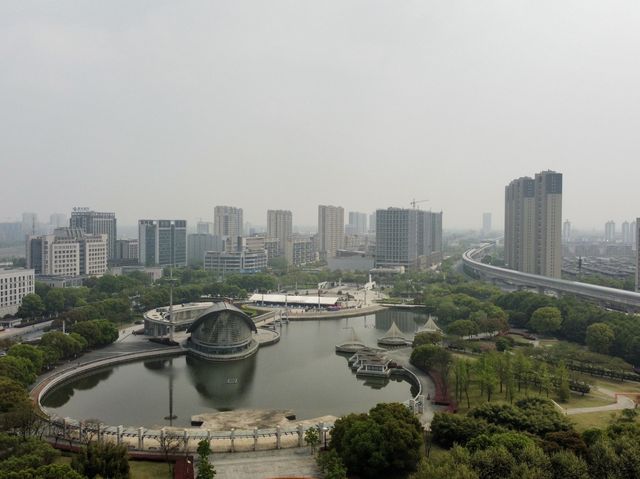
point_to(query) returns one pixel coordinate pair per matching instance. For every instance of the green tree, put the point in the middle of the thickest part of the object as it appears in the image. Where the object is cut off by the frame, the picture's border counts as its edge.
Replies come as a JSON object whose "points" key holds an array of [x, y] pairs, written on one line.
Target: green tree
{"points": [[331, 465], [65, 346], [54, 301], [104, 459], [566, 465], [562, 378], [312, 438], [205, 468], [545, 320], [385, 442], [463, 327], [19, 369], [600, 337], [97, 332], [27, 351], [427, 337], [32, 306]]}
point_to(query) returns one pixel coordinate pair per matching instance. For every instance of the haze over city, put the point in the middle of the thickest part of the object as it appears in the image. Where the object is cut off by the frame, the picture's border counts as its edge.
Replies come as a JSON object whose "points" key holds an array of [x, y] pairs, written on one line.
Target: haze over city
{"points": [[161, 109]]}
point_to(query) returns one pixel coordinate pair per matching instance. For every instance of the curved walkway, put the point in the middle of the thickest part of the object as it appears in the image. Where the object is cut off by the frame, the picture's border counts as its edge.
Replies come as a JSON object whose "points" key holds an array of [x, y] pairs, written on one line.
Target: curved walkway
{"points": [[622, 402], [401, 356]]}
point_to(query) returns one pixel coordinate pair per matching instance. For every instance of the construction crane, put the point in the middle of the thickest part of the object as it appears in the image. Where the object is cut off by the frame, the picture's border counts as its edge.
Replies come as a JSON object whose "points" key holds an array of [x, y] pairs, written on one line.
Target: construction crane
{"points": [[414, 202]]}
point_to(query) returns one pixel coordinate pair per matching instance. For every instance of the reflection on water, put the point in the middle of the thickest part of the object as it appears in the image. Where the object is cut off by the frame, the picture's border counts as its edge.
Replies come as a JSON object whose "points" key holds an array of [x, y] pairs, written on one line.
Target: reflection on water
{"points": [[222, 383], [301, 372], [407, 321], [60, 396]]}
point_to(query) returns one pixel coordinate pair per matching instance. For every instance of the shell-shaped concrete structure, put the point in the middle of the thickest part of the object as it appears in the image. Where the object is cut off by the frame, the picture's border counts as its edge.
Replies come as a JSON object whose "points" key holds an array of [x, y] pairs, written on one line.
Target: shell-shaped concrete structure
{"points": [[222, 333]]}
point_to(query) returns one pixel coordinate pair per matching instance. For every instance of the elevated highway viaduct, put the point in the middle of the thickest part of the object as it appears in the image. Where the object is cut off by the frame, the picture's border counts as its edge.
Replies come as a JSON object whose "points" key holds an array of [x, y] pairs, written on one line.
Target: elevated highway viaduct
{"points": [[609, 297]]}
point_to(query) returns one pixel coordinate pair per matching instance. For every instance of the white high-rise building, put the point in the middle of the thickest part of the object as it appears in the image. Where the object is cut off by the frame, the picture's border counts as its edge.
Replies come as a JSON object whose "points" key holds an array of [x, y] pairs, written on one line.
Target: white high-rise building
{"points": [[566, 231], [330, 230], [68, 252], [228, 222], [15, 284], [533, 224], [634, 234], [610, 232], [280, 227]]}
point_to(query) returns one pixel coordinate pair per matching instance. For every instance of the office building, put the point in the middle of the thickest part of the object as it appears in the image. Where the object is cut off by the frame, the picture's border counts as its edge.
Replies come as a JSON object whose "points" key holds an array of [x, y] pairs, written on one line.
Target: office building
{"points": [[408, 238], [68, 252], [566, 231], [634, 234], [357, 224], [198, 244], [397, 238], [610, 232], [127, 250], [533, 223], [626, 233], [223, 263], [97, 223], [162, 242], [15, 284], [279, 226], [330, 230], [486, 223], [227, 221]]}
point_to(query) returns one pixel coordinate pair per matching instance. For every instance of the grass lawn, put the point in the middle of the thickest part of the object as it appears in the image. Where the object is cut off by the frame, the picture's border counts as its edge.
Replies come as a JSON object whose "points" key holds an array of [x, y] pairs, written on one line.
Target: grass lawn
{"points": [[593, 399], [149, 470], [598, 420]]}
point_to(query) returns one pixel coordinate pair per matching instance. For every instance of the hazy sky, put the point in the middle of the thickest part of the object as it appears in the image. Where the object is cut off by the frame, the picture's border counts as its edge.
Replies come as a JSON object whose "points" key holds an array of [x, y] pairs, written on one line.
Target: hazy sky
{"points": [[167, 108]]}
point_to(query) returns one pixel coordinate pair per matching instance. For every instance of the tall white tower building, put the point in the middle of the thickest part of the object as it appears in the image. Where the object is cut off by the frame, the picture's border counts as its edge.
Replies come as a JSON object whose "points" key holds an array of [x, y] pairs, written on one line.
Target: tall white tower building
{"points": [[330, 230], [533, 224]]}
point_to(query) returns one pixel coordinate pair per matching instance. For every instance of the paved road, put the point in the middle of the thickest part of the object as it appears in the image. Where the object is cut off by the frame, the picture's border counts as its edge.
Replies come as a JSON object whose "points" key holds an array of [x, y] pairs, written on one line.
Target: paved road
{"points": [[296, 462]]}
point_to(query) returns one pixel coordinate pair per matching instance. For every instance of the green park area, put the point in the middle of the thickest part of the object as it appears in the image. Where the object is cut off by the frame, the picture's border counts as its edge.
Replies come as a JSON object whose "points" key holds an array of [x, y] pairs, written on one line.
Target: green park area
{"points": [[513, 370]]}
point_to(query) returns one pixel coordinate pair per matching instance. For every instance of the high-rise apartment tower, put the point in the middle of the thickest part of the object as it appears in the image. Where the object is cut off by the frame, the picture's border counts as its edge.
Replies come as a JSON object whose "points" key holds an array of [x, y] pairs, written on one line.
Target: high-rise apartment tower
{"points": [[280, 227], [330, 230], [227, 221], [533, 224]]}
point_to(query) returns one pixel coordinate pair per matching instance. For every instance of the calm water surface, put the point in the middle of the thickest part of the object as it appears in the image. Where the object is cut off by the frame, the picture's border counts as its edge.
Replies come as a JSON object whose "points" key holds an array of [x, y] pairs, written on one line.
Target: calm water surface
{"points": [[302, 372]]}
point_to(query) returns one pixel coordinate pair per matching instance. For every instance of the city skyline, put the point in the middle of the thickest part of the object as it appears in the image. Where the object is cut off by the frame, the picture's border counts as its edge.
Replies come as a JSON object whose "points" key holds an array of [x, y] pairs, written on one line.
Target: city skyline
{"points": [[103, 106]]}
